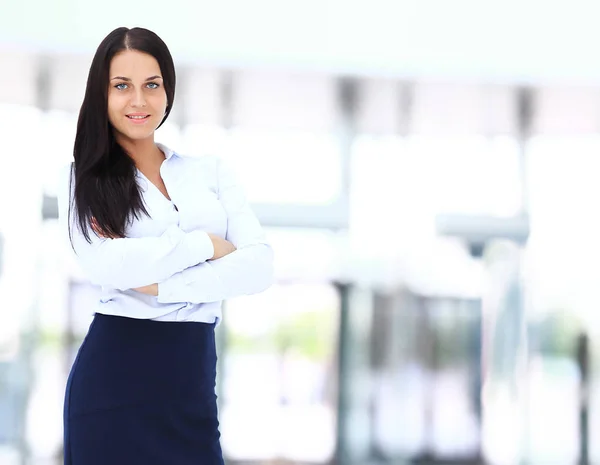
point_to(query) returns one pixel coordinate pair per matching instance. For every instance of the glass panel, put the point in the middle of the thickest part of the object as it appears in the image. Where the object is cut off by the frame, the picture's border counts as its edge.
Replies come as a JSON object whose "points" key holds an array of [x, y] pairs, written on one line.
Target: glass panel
{"points": [[286, 166], [412, 180], [475, 175], [20, 219], [454, 383], [278, 382], [561, 272]]}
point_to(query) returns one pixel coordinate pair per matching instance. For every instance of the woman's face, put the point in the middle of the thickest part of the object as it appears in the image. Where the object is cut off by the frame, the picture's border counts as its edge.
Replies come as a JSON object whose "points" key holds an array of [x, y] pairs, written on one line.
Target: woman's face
{"points": [[136, 97]]}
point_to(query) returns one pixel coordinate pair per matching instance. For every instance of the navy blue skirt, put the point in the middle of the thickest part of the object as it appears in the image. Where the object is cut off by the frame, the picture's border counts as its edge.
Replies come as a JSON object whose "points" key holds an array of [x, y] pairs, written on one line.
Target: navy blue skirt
{"points": [[143, 392]]}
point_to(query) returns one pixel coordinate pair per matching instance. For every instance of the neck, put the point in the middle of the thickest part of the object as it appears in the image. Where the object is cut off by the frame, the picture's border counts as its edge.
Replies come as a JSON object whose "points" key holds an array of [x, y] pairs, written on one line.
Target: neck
{"points": [[145, 153]]}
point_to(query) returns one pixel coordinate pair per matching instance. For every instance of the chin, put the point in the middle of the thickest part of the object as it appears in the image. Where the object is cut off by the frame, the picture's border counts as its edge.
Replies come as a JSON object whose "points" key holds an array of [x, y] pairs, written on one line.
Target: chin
{"points": [[135, 135]]}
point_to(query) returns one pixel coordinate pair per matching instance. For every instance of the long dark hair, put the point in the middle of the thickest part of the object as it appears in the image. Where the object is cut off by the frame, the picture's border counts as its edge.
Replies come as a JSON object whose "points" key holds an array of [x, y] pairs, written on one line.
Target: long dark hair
{"points": [[104, 175]]}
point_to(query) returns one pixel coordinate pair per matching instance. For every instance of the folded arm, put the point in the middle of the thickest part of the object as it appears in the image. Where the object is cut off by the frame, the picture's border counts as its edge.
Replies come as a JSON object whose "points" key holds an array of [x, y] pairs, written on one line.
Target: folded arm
{"points": [[247, 270], [127, 263]]}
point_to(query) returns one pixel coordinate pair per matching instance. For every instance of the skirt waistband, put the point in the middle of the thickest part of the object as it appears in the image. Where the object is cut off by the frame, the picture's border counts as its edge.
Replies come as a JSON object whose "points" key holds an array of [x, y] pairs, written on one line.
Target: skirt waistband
{"points": [[125, 361]]}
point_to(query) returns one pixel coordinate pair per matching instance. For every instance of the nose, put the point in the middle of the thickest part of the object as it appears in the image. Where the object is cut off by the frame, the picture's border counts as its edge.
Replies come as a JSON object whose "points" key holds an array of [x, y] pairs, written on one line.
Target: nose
{"points": [[137, 99]]}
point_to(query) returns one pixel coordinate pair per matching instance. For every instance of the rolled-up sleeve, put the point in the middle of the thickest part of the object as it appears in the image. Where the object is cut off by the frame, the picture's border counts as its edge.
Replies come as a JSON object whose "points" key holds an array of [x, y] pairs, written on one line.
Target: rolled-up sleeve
{"points": [[248, 270], [126, 263]]}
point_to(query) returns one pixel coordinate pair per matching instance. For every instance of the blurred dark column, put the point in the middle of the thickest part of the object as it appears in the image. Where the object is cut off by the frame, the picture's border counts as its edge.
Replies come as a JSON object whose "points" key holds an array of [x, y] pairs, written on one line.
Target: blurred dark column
{"points": [[43, 84], [353, 375], [381, 348], [525, 96], [427, 352], [583, 362], [474, 352], [227, 91], [406, 96], [348, 101], [342, 448], [49, 208]]}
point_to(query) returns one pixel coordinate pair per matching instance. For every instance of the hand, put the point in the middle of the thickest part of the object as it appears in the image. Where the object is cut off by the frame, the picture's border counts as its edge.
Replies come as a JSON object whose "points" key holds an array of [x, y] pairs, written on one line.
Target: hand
{"points": [[222, 246], [151, 289]]}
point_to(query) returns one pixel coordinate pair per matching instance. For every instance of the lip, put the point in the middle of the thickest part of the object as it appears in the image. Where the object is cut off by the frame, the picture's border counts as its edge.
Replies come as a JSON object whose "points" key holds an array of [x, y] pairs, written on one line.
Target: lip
{"points": [[138, 121]]}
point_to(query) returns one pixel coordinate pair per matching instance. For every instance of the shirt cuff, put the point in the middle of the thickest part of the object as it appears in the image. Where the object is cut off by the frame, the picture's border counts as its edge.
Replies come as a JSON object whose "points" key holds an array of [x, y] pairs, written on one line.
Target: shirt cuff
{"points": [[200, 246]]}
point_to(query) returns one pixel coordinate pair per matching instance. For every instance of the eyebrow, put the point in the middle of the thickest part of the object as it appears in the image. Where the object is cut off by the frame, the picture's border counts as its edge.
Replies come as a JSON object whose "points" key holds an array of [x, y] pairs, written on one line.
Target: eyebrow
{"points": [[129, 80]]}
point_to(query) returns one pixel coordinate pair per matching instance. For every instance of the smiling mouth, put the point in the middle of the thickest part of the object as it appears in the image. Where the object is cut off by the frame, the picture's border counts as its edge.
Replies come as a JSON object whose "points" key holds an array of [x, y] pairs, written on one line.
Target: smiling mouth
{"points": [[138, 117]]}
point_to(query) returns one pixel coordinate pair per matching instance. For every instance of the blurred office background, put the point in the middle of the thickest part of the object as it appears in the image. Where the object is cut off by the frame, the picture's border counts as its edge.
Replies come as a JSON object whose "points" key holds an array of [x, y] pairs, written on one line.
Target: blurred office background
{"points": [[428, 175]]}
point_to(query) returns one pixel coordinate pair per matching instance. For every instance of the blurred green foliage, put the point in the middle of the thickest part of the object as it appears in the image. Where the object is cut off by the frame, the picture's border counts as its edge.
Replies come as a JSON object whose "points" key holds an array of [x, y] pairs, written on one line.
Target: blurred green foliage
{"points": [[556, 334], [310, 334]]}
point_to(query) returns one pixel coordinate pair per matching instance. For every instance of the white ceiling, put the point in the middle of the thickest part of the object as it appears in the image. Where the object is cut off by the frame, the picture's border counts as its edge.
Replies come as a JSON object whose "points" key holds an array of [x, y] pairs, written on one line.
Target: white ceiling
{"points": [[510, 40]]}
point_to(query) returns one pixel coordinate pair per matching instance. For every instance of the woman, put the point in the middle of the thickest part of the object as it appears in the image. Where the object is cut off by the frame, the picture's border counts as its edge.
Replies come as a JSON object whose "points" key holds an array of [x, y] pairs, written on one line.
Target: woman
{"points": [[167, 237]]}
